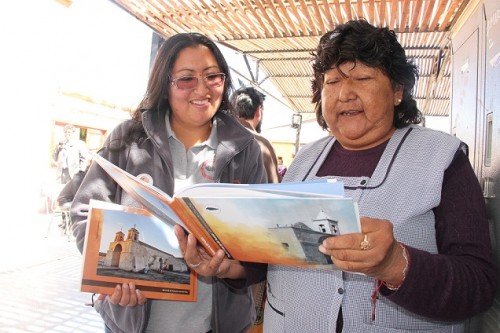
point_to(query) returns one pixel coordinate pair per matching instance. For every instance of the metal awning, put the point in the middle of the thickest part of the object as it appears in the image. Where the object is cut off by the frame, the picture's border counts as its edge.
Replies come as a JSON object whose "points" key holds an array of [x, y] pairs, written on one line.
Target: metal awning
{"points": [[280, 35]]}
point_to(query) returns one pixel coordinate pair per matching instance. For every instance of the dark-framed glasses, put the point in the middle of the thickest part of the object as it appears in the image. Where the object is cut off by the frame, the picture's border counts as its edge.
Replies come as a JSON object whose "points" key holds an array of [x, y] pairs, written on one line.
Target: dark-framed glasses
{"points": [[212, 80]]}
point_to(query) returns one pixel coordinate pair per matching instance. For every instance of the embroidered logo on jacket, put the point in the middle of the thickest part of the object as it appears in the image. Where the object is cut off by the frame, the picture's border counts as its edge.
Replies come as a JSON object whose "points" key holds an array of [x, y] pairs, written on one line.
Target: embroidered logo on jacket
{"points": [[207, 169]]}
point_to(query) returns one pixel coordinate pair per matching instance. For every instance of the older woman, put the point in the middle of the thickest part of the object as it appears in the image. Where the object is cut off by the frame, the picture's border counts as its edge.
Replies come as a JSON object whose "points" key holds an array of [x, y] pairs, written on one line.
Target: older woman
{"points": [[425, 236], [423, 261]]}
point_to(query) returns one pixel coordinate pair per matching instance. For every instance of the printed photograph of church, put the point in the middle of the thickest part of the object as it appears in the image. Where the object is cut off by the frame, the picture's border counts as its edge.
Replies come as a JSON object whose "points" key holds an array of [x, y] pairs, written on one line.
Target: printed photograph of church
{"points": [[302, 238], [129, 257]]}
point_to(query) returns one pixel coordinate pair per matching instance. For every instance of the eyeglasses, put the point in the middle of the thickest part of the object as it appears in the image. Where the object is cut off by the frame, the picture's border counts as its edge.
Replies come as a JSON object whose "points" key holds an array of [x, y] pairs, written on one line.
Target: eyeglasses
{"points": [[191, 82]]}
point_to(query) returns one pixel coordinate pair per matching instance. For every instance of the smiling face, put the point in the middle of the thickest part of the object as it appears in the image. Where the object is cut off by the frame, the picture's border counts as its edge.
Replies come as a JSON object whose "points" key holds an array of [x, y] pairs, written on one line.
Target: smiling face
{"points": [[358, 105], [193, 109]]}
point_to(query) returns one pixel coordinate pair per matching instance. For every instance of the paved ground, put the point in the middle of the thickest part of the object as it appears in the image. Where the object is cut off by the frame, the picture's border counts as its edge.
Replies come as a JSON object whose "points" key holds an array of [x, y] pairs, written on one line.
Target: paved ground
{"points": [[39, 280]]}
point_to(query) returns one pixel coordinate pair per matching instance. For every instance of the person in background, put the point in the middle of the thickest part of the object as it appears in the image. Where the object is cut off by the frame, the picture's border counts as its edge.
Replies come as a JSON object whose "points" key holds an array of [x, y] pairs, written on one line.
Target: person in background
{"points": [[281, 167], [423, 261], [182, 133], [247, 103], [68, 191], [70, 156], [67, 194]]}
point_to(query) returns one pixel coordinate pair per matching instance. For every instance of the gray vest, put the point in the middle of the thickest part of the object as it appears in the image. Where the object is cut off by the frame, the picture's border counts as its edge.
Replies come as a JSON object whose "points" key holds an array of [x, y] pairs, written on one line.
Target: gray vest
{"points": [[404, 188]]}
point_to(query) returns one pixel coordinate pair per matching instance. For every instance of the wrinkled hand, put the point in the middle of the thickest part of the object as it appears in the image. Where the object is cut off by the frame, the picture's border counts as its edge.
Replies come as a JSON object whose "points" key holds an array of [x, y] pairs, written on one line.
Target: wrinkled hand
{"points": [[125, 295], [202, 262], [382, 259]]}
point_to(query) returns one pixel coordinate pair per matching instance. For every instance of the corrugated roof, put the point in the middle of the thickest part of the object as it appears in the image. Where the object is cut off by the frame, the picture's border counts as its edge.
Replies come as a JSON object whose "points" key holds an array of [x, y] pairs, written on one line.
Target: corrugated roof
{"points": [[279, 35]]}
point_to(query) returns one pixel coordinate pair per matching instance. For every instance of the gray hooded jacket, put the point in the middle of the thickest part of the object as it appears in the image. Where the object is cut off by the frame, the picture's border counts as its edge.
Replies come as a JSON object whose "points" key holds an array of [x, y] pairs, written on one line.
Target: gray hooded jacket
{"points": [[238, 160]]}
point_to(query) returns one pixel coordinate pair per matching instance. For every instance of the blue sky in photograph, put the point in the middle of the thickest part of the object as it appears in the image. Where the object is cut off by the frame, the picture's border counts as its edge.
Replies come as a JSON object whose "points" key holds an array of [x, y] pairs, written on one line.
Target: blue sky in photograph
{"points": [[151, 230]]}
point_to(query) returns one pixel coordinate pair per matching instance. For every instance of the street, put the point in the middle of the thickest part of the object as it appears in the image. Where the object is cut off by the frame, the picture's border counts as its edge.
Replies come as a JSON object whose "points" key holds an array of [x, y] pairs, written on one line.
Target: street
{"points": [[39, 279]]}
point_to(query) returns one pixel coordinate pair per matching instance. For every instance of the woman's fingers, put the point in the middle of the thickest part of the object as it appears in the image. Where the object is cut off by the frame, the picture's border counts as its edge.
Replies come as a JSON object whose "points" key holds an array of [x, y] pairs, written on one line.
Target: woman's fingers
{"points": [[198, 259], [132, 295], [125, 299], [126, 294], [181, 238], [367, 252], [116, 296], [141, 299]]}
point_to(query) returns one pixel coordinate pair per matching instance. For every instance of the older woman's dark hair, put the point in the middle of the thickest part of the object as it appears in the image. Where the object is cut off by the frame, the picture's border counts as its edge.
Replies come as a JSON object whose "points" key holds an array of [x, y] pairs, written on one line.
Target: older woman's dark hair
{"points": [[357, 40], [156, 97]]}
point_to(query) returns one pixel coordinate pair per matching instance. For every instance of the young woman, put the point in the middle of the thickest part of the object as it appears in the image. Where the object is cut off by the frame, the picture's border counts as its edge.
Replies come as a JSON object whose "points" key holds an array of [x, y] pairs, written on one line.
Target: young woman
{"points": [[180, 134]]}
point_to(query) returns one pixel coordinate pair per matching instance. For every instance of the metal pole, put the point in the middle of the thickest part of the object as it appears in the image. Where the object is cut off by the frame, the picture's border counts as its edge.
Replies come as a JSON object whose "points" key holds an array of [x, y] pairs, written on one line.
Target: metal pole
{"points": [[297, 124], [297, 139]]}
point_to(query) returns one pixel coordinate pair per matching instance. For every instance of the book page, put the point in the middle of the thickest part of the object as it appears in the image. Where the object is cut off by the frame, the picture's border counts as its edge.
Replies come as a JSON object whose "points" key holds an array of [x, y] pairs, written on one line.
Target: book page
{"points": [[316, 188], [155, 200], [125, 244], [276, 230]]}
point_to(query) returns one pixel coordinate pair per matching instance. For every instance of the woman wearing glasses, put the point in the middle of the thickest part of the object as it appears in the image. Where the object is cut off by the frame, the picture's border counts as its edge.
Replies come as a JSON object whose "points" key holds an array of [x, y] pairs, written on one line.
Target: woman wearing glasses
{"points": [[179, 135]]}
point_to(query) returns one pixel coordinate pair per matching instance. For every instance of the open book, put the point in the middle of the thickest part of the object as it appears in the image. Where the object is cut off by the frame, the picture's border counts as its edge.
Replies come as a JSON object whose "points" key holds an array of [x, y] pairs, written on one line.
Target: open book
{"points": [[267, 223]]}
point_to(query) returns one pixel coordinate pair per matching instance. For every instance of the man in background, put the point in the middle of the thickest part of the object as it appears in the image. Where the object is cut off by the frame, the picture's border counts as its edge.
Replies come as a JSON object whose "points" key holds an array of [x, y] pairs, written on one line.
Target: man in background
{"points": [[71, 156], [247, 103]]}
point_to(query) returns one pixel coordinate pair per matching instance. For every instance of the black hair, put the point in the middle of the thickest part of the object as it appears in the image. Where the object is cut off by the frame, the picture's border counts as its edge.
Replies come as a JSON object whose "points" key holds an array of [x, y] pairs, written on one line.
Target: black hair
{"points": [[358, 40], [245, 101], [156, 97]]}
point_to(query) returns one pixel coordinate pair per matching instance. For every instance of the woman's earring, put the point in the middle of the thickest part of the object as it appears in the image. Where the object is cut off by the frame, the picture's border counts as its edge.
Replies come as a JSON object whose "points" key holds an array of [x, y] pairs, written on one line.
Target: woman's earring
{"points": [[398, 101]]}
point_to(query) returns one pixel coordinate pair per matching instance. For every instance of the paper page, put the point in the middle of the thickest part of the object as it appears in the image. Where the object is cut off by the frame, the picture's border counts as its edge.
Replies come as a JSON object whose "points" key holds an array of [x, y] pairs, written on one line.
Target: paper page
{"points": [[276, 230], [307, 188], [149, 196], [130, 244]]}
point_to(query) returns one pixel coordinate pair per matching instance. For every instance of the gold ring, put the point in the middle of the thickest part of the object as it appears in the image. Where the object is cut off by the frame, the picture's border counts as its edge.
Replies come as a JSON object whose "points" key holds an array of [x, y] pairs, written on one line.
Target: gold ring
{"points": [[195, 265], [364, 245]]}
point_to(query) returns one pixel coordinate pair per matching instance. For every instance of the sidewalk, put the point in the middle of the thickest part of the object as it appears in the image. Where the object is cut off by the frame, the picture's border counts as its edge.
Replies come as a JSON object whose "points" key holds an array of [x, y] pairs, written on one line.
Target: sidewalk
{"points": [[39, 279]]}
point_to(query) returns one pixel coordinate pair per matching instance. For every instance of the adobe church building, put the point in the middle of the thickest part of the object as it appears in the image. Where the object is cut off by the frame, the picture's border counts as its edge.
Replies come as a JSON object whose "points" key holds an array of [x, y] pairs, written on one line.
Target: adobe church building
{"points": [[131, 254], [302, 238]]}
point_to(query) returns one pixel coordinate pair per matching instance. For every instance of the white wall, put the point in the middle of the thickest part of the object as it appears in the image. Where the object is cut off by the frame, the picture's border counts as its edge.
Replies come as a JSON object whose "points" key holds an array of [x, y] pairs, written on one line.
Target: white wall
{"points": [[47, 47], [438, 123]]}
